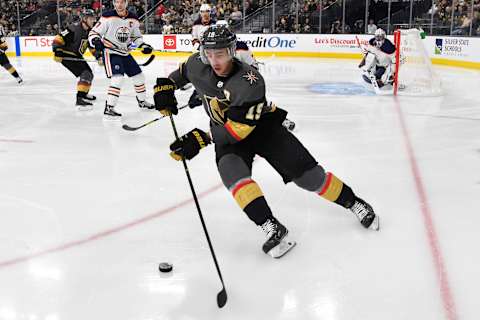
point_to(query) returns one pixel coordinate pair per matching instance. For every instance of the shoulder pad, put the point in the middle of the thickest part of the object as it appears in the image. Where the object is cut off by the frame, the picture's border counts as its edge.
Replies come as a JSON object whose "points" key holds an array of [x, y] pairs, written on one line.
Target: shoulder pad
{"points": [[109, 13], [132, 15]]}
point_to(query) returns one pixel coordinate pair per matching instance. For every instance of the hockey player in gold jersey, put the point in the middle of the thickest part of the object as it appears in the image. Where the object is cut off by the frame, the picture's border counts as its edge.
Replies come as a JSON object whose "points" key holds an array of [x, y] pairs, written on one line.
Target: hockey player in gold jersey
{"points": [[4, 61], [242, 125], [68, 48]]}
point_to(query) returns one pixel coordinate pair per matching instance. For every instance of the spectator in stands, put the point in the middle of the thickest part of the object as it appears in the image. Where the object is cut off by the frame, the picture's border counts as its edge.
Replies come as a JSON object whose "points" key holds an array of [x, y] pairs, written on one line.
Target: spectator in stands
{"points": [[371, 27], [159, 13], [359, 26], [306, 26], [96, 6], [168, 28], [283, 26], [336, 27], [236, 14]]}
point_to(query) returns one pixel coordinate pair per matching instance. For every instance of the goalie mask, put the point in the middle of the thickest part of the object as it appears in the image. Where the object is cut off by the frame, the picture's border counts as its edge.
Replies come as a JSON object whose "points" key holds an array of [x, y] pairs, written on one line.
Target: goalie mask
{"points": [[379, 37], [218, 37]]}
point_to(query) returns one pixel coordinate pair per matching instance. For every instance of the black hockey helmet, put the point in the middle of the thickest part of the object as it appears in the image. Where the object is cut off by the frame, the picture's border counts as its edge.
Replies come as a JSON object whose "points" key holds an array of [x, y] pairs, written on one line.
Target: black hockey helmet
{"points": [[88, 13], [218, 37]]}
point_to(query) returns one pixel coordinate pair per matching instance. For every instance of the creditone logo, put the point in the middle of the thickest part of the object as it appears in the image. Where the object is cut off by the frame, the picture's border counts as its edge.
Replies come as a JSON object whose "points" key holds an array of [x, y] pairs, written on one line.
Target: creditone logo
{"points": [[271, 42], [438, 46], [170, 42]]}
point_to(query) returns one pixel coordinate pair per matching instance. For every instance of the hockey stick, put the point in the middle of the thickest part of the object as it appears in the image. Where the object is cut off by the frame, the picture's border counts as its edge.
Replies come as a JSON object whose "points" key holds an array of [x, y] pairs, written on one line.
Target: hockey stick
{"points": [[129, 128], [222, 295], [146, 63]]}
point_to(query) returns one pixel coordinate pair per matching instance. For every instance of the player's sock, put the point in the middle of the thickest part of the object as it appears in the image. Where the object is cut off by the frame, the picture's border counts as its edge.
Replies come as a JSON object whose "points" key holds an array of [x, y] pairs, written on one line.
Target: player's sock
{"points": [[139, 84]]}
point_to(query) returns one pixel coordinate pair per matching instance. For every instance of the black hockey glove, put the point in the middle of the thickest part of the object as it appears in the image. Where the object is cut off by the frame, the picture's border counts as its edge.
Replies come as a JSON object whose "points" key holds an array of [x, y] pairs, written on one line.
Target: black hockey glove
{"points": [[164, 96], [146, 48], [194, 100], [57, 54], [189, 145], [99, 47]]}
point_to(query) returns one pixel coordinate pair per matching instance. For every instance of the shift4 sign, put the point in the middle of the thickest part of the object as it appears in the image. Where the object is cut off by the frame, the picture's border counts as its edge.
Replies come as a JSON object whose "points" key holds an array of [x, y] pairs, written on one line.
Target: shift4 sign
{"points": [[451, 46]]}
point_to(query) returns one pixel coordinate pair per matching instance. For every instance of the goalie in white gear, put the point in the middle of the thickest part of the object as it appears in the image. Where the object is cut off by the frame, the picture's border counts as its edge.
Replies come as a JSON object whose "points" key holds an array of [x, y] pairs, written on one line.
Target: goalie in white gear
{"points": [[112, 38], [378, 64]]}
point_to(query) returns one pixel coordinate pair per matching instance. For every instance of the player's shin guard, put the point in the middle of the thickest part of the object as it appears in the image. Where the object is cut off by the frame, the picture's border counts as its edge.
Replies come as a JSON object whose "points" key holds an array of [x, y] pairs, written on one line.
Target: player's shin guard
{"points": [[328, 186], [114, 90], [139, 84], [12, 71], [250, 198]]}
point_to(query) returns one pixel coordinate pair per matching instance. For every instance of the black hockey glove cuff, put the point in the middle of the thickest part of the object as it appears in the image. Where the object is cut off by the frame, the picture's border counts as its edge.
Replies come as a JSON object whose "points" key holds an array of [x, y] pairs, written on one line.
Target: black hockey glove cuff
{"points": [[194, 100], [189, 145], [146, 48], [164, 96]]}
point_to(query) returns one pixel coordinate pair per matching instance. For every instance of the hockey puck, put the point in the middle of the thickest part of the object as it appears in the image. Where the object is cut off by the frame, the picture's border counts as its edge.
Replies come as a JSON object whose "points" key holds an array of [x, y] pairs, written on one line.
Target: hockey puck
{"points": [[165, 267]]}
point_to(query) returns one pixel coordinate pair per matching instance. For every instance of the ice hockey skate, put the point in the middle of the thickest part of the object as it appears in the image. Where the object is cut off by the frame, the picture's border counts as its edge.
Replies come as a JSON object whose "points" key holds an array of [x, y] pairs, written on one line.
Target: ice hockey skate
{"points": [[83, 104], [277, 243], [145, 105], [365, 214], [110, 114]]}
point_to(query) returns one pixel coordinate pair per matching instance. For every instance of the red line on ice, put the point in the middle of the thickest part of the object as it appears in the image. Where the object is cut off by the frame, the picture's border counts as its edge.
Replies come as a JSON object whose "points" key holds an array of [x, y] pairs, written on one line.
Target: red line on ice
{"points": [[105, 233], [16, 140], [445, 291]]}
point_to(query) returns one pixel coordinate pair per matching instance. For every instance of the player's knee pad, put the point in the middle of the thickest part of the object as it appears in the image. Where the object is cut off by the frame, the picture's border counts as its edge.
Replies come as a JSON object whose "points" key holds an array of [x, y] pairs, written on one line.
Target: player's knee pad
{"points": [[139, 84], [232, 169], [116, 81], [86, 76], [311, 180]]}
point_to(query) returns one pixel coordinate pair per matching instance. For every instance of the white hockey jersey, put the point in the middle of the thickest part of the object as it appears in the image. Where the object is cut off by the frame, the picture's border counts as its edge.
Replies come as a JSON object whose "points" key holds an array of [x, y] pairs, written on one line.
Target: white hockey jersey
{"points": [[198, 30], [117, 33]]}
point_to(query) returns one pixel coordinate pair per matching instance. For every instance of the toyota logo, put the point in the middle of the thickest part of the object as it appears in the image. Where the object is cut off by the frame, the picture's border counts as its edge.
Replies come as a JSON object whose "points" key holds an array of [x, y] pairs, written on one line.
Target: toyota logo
{"points": [[169, 42]]}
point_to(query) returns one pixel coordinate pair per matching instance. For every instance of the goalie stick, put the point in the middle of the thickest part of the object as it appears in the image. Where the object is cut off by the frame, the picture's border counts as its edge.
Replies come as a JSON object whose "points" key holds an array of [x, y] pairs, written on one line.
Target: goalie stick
{"points": [[130, 128]]}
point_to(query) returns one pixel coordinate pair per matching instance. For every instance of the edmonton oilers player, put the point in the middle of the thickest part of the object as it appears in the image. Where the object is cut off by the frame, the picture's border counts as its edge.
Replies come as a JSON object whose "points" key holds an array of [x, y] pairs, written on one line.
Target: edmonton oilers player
{"points": [[377, 63], [113, 36]]}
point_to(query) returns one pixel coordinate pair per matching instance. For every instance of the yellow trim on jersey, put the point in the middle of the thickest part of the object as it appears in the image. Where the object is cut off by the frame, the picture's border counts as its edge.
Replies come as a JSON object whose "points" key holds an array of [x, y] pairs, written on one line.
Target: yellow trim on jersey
{"points": [[238, 130]]}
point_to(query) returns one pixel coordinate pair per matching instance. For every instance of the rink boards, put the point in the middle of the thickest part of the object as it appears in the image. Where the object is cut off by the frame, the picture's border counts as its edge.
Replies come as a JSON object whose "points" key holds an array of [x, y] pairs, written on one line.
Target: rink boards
{"points": [[453, 51]]}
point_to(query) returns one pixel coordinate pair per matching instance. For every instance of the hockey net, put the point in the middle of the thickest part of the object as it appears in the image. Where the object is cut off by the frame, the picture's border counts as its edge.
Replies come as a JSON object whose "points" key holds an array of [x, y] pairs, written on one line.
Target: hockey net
{"points": [[414, 74]]}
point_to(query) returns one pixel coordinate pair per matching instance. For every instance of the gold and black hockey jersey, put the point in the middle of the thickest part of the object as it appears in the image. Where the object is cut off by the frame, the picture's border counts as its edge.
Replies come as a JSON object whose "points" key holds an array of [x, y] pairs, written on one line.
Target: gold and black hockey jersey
{"points": [[3, 41], [72, 42], [236, 103]]}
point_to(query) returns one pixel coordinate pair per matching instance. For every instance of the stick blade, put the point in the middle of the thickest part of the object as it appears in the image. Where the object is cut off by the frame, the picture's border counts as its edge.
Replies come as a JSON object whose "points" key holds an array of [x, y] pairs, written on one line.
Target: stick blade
{"points": [[222, 298], [128, 128]]}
